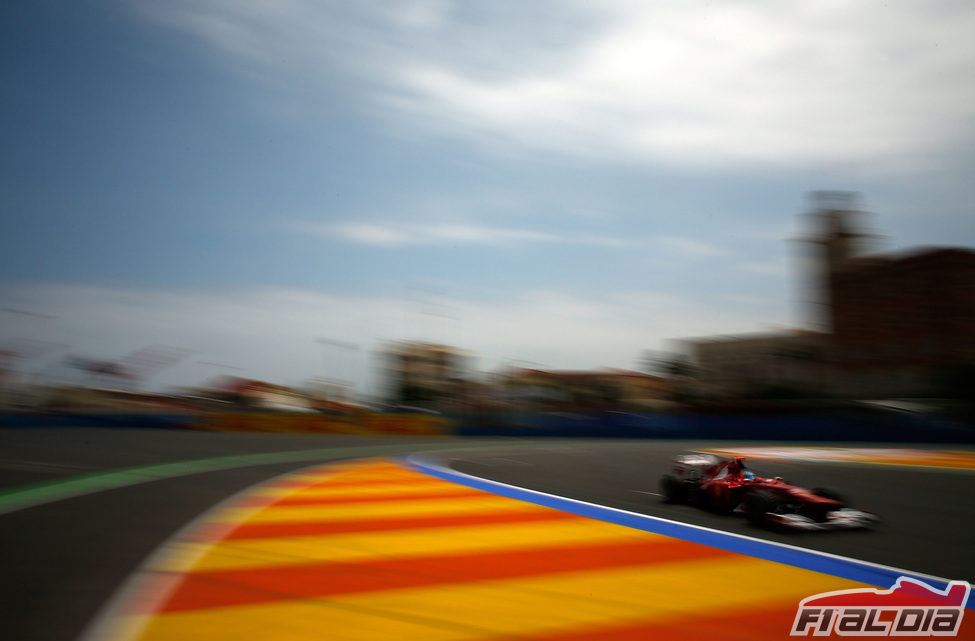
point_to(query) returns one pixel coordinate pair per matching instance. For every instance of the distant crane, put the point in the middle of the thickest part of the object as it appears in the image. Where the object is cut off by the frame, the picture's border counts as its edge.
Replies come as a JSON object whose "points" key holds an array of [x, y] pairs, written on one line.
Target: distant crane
{"points": [[16, 351], [132, 369]]}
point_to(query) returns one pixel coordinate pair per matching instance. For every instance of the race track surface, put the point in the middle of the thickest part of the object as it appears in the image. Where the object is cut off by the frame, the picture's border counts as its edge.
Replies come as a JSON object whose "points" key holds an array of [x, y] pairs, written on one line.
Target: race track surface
{"points": [[64, 559], [927, 513]]}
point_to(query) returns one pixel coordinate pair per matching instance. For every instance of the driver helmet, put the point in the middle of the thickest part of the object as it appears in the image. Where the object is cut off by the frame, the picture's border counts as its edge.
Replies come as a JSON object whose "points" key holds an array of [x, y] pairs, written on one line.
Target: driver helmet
{"points": [[749, 475]]}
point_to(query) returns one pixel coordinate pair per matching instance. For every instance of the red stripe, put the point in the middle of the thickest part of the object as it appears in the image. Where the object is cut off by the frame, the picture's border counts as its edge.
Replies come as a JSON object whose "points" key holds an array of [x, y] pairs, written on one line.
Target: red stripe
{"points": [[218, 531], [201, 590]]}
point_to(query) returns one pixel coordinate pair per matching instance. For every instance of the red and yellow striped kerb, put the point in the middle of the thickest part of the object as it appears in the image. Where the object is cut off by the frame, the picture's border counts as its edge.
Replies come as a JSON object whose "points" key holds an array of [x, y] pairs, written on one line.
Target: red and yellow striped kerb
{"points": [[373, 550]]}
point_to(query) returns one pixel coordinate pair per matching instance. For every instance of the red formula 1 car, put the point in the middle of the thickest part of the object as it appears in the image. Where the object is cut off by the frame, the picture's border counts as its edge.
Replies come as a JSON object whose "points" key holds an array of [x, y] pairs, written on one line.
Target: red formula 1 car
{"points": [[727, 485]]}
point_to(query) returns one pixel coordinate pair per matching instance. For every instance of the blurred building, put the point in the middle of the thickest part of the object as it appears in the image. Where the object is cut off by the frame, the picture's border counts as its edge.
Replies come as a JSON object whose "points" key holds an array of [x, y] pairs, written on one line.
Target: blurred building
{"points": [[321, 389], [788, 364], [899, 323], [895, 325], [257, 395], [608, 388], [425, 374]]}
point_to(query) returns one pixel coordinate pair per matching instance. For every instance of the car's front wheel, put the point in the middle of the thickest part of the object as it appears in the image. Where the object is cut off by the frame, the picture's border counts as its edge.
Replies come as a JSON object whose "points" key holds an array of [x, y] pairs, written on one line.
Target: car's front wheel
{"points": [[759, 504], [827, 493]]}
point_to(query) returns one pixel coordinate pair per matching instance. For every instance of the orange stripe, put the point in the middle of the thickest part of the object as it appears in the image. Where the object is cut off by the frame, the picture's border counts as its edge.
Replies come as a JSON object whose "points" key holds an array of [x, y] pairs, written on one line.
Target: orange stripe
{"points": [[751, 624], [445, 491], [318, 528], [201, 590]]}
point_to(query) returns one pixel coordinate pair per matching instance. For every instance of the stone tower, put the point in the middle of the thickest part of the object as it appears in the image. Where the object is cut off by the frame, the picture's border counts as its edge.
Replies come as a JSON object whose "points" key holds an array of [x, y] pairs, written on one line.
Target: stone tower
{"points": [[836, 243]]}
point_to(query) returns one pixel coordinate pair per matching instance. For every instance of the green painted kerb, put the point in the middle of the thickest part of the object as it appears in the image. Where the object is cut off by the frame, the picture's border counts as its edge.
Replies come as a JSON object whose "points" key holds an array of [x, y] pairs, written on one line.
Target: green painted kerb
{"points": [[56, 490]]}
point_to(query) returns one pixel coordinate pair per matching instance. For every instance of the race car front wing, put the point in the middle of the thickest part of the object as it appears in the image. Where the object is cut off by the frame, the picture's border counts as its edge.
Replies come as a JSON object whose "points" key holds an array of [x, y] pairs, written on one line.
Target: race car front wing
{"points": [[842, 519]]}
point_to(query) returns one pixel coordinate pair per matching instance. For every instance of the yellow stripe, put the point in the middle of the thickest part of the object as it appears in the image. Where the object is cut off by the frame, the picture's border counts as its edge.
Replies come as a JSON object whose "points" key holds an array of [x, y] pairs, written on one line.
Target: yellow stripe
{"points": [[401, 543], [354, 511], [539, 605]]}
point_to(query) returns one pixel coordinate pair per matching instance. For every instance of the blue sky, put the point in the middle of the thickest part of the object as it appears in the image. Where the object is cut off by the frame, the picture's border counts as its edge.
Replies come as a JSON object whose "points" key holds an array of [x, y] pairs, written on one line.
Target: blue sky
{"points": [[559, 183]]}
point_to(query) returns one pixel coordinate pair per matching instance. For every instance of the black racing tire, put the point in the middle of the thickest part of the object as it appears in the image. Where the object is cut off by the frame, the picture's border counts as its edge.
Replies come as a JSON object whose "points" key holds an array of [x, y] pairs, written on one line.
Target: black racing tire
{"points": [[672, 489], [819, 512], [693, 494], [827, 493], [758, 504]]}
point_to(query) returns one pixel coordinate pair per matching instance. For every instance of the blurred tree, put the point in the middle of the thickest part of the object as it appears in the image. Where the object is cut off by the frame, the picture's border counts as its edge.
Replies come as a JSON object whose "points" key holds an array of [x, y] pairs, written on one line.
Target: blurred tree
{"points": [[666, 364]]}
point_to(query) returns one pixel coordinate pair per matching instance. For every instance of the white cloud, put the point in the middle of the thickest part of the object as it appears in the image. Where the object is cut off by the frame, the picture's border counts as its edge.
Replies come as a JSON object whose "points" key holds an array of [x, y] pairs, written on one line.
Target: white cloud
{"points": [[463, 233], [701, 84], [370, 234], [690, 247], [392, 234], [690, 83], [395, 234]]}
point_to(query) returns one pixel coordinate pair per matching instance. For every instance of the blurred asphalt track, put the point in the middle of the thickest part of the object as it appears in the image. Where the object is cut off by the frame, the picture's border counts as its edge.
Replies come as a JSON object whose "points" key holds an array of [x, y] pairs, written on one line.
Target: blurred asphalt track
{"points": [[62, 559]]}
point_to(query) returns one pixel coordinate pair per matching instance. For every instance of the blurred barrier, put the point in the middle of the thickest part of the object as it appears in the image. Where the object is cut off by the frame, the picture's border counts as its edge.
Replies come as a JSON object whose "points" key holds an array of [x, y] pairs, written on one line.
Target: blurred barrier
{"points": [[361, 424], [98, 419], [879, 427], [366, 423], [869, 427]]}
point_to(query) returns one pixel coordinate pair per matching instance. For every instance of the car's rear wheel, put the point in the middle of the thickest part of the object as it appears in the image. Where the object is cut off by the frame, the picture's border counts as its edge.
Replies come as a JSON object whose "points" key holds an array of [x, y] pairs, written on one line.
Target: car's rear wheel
{"points": [[673, 489]]}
